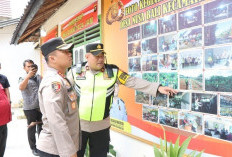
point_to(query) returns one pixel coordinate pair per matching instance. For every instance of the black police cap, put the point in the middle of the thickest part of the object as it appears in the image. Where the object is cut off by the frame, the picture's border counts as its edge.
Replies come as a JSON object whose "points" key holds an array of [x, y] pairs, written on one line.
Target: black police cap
{"points": [[95, 48], [55, 44]]}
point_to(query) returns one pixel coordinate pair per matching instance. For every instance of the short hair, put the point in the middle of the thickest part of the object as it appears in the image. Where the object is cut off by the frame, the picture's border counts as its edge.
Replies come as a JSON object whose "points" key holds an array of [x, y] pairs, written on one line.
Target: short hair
{"points": [[27, 61], [50, 54]]}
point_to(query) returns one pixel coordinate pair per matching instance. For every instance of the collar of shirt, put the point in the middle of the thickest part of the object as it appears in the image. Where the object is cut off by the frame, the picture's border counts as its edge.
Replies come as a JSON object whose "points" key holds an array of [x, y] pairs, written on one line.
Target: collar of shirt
{"points": [[93, 71]]}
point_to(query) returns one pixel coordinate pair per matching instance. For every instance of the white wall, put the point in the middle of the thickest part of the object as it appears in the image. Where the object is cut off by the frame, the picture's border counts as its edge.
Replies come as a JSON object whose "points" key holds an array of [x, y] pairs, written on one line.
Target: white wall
{"points": [[12, 57], [126, 146]]}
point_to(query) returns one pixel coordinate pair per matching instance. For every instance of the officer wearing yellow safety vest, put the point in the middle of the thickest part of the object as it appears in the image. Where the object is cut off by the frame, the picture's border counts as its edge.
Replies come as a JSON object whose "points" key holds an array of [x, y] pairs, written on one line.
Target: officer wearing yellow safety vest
{"points": [[95, 85]]}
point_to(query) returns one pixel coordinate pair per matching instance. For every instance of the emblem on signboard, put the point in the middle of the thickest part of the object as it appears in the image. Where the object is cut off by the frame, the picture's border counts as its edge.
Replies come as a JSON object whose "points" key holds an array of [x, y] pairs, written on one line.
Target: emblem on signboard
{"points": [[113, 12]]}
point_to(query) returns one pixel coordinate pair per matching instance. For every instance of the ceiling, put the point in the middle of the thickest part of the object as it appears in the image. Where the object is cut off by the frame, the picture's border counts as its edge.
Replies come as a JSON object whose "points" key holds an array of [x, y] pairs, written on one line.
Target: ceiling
{"points": [[35, 15]]}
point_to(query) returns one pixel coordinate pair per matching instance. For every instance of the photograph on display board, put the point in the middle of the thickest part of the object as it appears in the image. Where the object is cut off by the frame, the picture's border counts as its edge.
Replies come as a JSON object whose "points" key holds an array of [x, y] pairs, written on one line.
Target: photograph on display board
{"points": [[134, 64], [190, 59], [220, 57], [150, 113], [191, 80], [218, 80], [167, 62], [167, 24], [190, 18], [142, 98], [206, 103], [160, 100], [220, 33], [149, 46], [149, 29], [134, 49], [151, 77], [217, 10], [168, 117], [180, 101], [226, 105], [169, 79], [190, 122], [118, 109], [134, 34], [220, 128], [190, 38], [168, 43], [149, 63]]}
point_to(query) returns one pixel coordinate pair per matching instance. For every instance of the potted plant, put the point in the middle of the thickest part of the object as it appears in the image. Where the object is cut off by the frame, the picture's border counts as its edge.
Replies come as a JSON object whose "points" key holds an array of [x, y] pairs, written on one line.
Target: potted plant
{"points": [[174, 150]]}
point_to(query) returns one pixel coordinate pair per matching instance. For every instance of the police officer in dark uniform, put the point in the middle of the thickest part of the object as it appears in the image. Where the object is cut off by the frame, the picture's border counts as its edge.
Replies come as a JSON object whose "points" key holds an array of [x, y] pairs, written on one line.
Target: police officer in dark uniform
{"points": [[95, 85]]}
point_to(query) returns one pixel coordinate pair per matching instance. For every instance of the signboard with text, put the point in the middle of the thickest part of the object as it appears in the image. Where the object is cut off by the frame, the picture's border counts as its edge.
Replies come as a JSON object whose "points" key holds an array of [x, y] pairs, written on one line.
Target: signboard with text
{"points": [[80, 21]]}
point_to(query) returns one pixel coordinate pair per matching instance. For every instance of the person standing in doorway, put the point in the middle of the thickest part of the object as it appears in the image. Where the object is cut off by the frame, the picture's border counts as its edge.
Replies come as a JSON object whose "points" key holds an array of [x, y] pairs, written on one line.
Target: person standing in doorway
{"points": [[95, 86], [5, 111], [29, 86]]}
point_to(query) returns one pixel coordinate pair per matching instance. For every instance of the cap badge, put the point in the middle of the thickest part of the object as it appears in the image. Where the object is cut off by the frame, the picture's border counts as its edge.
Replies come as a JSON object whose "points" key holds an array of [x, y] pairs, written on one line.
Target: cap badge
{"points": [[99, 47]]}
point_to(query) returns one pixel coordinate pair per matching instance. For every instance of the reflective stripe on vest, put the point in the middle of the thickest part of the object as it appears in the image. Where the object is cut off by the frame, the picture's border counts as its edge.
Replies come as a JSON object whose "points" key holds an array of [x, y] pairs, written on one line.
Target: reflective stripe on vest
{"points": [[96, 94]]}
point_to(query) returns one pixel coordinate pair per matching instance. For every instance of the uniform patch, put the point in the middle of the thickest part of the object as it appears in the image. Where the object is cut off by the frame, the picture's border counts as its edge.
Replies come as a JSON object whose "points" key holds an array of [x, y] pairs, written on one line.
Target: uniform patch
{"points": [[122, 76], [73, 105], [56, 87]]}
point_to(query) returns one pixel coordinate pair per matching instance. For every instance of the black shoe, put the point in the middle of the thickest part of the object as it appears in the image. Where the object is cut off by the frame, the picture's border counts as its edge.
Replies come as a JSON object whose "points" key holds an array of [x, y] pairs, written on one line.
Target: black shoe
{"points": [[34, 152]]}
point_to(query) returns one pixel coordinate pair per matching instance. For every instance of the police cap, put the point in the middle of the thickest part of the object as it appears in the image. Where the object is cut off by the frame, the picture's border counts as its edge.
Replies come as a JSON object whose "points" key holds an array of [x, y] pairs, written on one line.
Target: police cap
{"points": [[55, 44], [95, 48]]}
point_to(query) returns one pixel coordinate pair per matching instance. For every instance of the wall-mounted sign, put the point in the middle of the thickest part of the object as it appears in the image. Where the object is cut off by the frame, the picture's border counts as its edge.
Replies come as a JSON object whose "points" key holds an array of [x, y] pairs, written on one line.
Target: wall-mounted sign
{"points": [[80, 21], [50, 34]]}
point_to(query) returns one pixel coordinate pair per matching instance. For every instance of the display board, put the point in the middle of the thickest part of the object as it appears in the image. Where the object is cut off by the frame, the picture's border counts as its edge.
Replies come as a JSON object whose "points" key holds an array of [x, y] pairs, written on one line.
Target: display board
{"points": [[183, 44]]}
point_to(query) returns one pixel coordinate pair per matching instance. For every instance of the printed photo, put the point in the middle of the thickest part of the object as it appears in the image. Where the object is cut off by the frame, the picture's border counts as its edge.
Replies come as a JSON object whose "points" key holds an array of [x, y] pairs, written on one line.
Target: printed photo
{"points": [[134, 64], [190, 38], [134, 49], [217, 10], [218, 80], [168, 62], [168, 117], [149, 29], [167, 24], [142, 98], [169, 79], [151, 77], [150, 113], [220, 57], [168, 43], [134, 34], [191, 80], [149, 63], [160, 100], [136, 74], [206, 103], [226, 105], [218, 33], [190, 18], [190, 59], [180, 101], [220, 128], [149, 46], [190, 122]]}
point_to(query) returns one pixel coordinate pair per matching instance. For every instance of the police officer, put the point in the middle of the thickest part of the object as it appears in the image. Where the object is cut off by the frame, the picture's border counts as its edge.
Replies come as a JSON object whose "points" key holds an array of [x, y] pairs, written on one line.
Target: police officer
{"points": [[58, 103], [95, 85]]}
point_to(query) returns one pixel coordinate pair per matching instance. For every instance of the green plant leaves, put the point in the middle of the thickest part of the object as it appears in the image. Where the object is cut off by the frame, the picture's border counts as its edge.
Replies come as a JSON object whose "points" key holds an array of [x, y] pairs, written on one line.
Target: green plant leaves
{"points": [[176, 150], [184, 146]]}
